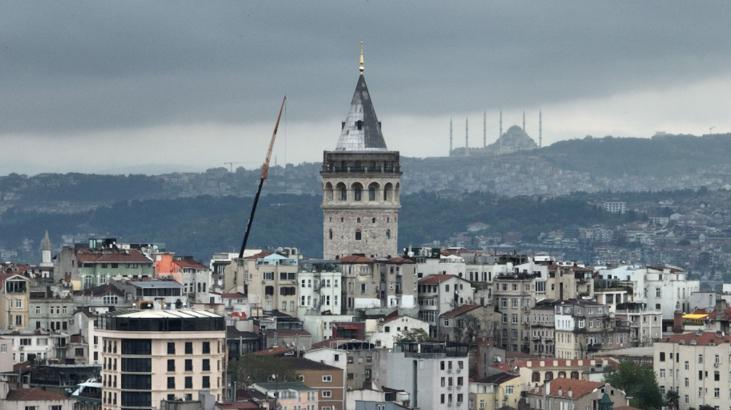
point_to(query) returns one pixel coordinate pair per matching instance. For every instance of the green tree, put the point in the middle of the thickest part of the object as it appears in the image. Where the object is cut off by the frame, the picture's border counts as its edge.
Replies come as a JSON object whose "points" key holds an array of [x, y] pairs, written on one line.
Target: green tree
{"points": [[413, 335], [672, 400], [639, 383], [251, 368]]}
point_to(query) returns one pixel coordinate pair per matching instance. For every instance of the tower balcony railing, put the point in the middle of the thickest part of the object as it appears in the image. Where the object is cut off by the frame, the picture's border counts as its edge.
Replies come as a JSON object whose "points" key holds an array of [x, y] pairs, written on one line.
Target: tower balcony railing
{"points": [[364, 170]]}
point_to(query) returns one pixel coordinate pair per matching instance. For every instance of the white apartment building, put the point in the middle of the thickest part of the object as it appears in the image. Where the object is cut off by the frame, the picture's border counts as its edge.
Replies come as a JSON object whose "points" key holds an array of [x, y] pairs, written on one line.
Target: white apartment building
{"points": [[665, 288], [319, 292], [385, 333], [33, 345], [153, 355], [434, 374], [441, 293], [696, 365]]}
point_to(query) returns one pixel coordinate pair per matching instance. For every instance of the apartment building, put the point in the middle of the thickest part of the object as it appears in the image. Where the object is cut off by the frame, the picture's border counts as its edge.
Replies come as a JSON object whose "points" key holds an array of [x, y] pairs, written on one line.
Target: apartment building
{"points": [[329, 381], [644, 322], [271, 282], [319, 292], [153, 355], [14, 301], [193, 275], [434, 374], [560, 394], [583, 327], [439, 294], [99, 261], [49, 312], [515, 297], [542, 324], [696, 365]]}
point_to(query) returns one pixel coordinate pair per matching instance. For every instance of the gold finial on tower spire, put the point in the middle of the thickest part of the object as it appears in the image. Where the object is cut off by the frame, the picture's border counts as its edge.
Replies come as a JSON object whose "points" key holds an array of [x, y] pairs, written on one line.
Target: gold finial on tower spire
{"points": [[361, 63]]}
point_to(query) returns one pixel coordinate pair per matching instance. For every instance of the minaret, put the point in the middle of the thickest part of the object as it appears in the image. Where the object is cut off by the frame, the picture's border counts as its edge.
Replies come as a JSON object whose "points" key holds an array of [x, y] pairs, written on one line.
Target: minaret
{"points": [[46, 251], [360, 184], [523, 120], [450, 137], [484, 129], [501, 124], [540, 129], [467, 136]]}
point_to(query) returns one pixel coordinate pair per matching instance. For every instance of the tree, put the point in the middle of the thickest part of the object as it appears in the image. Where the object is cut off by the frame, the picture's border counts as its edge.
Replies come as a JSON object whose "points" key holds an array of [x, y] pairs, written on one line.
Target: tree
{"points": [[251, 368], [413, 335], [639, 383], [672, 400]]}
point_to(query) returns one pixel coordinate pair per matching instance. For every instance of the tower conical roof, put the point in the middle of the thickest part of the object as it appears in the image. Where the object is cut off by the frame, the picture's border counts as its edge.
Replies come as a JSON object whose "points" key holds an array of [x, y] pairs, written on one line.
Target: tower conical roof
{"points": [[46, 243], [361, 128]]}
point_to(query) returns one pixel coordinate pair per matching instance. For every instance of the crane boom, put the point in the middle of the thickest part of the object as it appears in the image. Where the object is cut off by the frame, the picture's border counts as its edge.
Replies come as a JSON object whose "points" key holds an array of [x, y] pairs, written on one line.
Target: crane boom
{"points": [[264, 175]]}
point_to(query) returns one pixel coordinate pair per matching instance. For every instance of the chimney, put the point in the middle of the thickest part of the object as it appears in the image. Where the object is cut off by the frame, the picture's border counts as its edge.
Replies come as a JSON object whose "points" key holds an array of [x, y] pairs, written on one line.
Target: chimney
{"points": [[678, 322]]}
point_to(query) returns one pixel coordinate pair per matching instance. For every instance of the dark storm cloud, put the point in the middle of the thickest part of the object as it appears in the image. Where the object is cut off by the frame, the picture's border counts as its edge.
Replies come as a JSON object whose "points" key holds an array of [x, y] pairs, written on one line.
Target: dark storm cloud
{"points": [[76, 66]]}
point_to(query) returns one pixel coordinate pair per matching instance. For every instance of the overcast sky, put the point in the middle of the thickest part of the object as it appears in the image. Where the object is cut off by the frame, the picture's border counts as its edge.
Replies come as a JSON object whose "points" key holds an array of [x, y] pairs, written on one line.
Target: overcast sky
{"points": [[111, 86]]}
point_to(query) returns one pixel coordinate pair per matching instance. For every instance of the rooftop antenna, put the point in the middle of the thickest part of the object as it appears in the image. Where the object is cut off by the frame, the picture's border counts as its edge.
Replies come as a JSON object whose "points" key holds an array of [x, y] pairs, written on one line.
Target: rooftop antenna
{"points": [[484, 129], [540, 129], [466, 135], [262, 178], [501, 124], [450, 136]]}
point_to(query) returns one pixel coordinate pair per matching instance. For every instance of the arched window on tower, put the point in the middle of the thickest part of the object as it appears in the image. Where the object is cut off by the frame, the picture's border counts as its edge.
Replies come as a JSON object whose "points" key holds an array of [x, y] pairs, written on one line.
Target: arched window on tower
{"points": [[357, 191], [328, 192], [388, 234], [330, 234], [388, 192], [358, 234], [397, 192], [372, 191], [342, 192]]}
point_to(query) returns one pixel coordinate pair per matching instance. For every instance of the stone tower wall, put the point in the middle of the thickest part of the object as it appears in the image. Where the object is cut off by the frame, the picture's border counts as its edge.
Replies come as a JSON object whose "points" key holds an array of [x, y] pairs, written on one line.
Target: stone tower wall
{"points": [[366, 223]]}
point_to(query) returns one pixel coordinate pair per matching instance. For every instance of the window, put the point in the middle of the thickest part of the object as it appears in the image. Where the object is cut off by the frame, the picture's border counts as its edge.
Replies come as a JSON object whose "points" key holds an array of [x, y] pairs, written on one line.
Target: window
{"points": [[188, 347], [171, 365], [31, 408], [188, 365], [171, 382], [358, 235], [188, 382], [206, 365], [326, 394], [206, 382], [171, 347], [206, 347], [662, 356], [327, 378]]}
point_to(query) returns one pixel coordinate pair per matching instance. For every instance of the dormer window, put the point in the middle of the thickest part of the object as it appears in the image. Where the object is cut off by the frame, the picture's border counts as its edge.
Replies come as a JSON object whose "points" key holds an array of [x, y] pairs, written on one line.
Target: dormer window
{"points": [[359, 125]]}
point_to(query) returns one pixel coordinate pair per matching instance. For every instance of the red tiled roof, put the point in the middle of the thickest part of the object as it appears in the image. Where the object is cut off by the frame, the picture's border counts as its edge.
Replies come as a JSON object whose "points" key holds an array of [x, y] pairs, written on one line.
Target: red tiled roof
{"points": [[262, 254], [112, 256], [355, 259], [435, 279], [399, 260], [232, 295], [6, 276], [703, 339], [330, 343], [189, 263], [35, 394], [578, 388], [459, 311], [288, 332], [349, 325]]}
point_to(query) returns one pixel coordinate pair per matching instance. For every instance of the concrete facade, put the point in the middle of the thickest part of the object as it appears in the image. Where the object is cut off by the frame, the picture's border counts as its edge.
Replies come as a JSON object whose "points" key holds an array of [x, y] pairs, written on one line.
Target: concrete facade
{"points": [[154, 355]]}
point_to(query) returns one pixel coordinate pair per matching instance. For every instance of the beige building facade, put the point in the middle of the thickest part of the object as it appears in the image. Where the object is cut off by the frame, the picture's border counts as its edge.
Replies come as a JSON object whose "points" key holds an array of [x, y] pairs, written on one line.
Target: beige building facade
{"points": [[153, 355]]}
